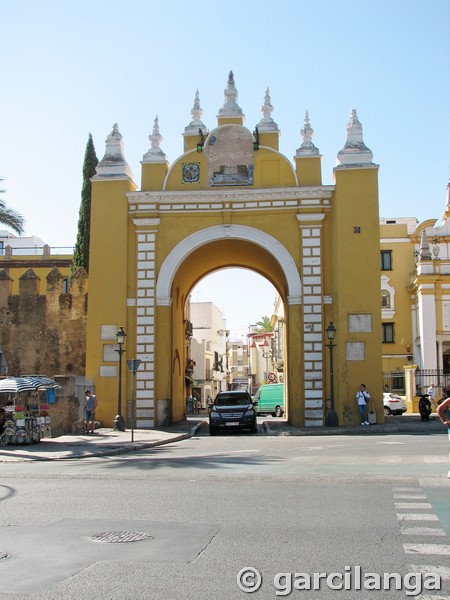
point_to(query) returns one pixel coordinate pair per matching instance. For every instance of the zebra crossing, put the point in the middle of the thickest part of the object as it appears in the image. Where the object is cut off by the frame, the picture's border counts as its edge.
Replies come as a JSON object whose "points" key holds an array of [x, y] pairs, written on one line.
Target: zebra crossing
{"points": [[419, 525]]}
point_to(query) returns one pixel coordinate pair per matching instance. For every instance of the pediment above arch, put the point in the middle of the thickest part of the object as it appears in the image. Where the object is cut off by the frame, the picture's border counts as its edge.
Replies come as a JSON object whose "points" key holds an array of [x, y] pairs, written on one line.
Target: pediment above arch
{"points": [[230, 158]]}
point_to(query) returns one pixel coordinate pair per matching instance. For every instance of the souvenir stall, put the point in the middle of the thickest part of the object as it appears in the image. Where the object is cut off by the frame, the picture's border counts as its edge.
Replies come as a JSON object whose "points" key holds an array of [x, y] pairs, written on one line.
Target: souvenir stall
{"points": [[24, 416]]}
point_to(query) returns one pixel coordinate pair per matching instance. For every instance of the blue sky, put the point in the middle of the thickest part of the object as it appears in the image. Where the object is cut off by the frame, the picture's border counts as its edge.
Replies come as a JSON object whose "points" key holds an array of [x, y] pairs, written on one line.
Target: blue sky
{"points": [[70, 68]]}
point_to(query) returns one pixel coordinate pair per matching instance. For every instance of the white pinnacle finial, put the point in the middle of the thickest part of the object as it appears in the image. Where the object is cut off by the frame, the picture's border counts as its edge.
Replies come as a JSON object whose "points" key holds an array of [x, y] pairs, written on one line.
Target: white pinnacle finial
{"points": [[196, 111], [155, 154], [196, 123], [113, 164], [230, 106], [424, 253], [267, 123], [155, 138], [307, 148], [267, 107], [355, 152]]}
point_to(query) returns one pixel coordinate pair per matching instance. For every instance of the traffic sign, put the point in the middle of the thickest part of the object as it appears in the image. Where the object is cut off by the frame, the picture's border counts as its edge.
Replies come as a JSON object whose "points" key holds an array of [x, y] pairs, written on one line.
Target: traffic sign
{"points": [[133, 365]]}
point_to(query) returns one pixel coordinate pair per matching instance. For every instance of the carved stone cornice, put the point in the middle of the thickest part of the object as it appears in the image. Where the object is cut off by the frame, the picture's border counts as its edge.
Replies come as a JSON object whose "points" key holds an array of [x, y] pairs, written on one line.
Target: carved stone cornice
{"points": [[220, 196]]}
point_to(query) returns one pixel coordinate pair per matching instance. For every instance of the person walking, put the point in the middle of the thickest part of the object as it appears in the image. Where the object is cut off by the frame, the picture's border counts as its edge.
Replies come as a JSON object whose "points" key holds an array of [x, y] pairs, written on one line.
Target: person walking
{"points": [[363, 397], [431, 396], [444, 414], [189, 405], [89, 408]]}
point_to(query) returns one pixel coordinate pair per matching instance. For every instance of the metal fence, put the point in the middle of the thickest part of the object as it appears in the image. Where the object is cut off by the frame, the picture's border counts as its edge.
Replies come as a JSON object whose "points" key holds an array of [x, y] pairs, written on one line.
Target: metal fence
{"points": [[394, 381], [425, 377]]}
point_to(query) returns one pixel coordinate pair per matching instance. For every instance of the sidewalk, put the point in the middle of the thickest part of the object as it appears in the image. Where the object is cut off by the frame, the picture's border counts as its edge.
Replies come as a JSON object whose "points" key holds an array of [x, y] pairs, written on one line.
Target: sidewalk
{"points": [[108, 442], [406, 424], [104, 442]]}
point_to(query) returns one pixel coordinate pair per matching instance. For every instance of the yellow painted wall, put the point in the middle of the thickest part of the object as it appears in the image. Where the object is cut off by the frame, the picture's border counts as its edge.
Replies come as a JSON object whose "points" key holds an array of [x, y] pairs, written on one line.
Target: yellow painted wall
{"points": [[111, 248], [355, 290], [396, 239], [309, 171], [25, 262]]}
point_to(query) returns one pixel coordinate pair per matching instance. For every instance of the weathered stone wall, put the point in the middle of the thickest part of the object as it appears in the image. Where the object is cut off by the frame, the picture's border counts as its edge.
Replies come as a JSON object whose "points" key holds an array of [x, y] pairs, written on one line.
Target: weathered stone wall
{"points": [[44, 334]]}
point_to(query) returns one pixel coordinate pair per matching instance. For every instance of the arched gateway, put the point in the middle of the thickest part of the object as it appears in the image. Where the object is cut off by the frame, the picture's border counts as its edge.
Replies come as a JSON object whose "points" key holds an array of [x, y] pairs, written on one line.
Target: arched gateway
{"points": [[232, 199]]}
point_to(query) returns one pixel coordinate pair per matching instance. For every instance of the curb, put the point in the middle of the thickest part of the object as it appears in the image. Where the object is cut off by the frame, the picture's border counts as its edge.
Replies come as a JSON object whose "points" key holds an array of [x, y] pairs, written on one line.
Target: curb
{"points": [[133, 447], [388, 428]]}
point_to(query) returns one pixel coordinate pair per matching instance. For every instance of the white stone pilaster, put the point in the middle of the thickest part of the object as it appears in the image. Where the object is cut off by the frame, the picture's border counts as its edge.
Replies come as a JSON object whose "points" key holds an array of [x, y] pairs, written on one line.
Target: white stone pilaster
{"points": [[145, 323], [312, 292]]}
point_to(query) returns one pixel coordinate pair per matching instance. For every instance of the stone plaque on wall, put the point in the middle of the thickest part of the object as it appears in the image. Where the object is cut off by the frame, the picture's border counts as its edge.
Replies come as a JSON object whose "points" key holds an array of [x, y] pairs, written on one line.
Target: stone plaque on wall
{"points": [[355, 351], [108, 332], [360, 323], [108, 371], [109, 353]]}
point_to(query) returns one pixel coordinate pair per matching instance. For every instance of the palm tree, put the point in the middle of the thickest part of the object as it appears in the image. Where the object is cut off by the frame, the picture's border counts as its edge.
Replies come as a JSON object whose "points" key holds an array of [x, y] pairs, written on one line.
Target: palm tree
{"points": [[10, 217], [265, 325]]}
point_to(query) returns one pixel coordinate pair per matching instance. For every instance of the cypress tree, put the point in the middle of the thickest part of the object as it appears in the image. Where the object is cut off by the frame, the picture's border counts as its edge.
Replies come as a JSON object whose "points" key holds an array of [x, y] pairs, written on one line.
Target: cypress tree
{"points": [[81, 253]]}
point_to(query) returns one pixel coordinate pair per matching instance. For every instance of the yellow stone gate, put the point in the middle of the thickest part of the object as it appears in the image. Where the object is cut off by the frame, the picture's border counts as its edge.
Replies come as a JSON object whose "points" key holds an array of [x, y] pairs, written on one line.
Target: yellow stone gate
{"points": [[233, 200]]}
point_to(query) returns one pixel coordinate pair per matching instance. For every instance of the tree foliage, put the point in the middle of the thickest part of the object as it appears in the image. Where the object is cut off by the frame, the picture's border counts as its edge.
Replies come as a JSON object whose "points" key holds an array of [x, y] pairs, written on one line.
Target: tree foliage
{"points": [[10, 217], [265, 324], [81, 253]]}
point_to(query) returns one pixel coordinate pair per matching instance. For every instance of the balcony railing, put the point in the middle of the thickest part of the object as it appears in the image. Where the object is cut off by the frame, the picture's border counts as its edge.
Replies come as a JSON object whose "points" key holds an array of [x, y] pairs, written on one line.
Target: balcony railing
{"points": [[8, 251]]}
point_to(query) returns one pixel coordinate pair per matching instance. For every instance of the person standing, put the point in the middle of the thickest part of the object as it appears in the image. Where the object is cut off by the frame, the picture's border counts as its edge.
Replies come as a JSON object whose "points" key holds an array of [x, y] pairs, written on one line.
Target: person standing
{"points": [[363, 397], [444, 414], [189, 405], [89, 408], [431, 395]]}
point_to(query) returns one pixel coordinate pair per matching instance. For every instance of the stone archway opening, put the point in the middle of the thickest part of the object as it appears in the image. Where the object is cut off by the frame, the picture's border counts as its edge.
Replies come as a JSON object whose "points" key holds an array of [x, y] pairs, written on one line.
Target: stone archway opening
{"points": [[200, 262], [238, 334]]}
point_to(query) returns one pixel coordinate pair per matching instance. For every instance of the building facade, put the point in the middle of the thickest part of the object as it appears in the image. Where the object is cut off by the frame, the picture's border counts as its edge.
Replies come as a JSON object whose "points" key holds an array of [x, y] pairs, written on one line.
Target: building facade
{"points": [[208, 351], [238, 366], [415, 298], [232, 199]]}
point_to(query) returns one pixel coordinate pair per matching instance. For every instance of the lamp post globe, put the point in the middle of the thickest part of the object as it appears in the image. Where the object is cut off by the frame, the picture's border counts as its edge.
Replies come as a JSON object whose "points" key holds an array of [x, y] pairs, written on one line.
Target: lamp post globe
{"points": [[119, 421]]}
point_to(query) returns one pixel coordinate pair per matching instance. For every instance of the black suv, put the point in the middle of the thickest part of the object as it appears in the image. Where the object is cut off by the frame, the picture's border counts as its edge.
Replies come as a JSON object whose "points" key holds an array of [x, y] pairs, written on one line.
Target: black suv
{"points": [[232, 410]]}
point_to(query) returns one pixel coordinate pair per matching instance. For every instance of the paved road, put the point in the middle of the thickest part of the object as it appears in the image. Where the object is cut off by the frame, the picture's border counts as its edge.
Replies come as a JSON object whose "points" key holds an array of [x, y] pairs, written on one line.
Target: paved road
{"points": [[208, 507]]}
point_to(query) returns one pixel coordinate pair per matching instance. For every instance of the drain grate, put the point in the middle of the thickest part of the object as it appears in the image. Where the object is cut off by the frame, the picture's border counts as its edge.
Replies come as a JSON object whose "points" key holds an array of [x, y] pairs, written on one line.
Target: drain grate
{"points": [[119, 537], [3, 554]]}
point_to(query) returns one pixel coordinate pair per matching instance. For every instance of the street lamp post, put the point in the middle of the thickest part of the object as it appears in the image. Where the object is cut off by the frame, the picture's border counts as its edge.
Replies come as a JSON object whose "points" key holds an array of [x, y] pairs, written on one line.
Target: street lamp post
{"points": [[332, 419], [267, 354], [119, 421]]}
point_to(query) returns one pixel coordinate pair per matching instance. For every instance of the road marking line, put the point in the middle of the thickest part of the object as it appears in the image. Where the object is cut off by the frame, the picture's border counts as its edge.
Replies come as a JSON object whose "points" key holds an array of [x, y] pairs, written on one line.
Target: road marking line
{"points": [[431, 597], [393, 443], [422, 531], [435, 459], [410, 496], [444, 572], [441, 549], [413, 505], [416, 517], [418, 490]]}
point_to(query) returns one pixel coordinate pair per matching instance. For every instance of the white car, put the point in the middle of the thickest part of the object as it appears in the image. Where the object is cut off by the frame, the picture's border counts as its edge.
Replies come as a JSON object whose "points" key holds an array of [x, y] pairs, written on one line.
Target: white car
{"points": [[393, 404]]}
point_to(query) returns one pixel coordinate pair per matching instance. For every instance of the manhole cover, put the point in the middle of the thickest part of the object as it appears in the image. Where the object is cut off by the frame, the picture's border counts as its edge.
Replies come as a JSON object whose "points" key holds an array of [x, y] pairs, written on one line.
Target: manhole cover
{"points": [[117, 537], [3, 554]]}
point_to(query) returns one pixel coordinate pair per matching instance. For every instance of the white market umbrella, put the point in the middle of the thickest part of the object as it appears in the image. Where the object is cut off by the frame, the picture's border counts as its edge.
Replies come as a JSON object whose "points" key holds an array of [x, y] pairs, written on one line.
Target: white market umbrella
{"points": [[43, 382], [16, 385]]}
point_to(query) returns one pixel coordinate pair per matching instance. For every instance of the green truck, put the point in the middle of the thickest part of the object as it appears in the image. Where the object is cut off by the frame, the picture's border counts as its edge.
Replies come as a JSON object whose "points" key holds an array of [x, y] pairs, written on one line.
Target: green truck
{"points": [[270, 399]]}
